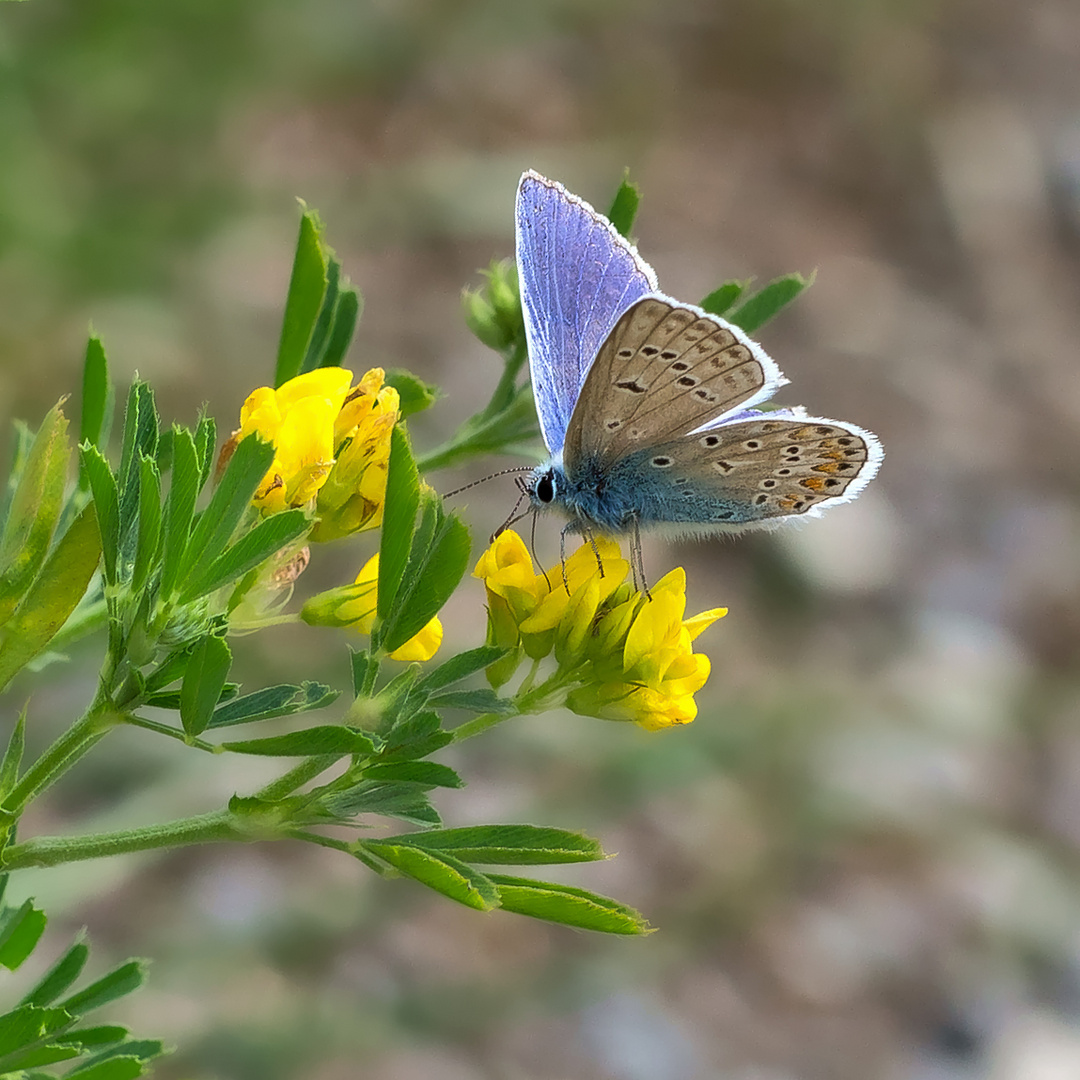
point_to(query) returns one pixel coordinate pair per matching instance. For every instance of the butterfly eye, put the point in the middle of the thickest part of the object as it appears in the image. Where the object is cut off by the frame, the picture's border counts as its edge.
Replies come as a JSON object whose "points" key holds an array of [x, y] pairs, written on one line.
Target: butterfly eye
{"points": [[545, 488]]}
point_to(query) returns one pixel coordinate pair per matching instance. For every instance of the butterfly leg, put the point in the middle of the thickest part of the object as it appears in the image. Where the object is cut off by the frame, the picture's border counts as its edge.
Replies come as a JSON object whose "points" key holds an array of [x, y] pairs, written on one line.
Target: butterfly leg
{"points": [[637, 561], [532, 548]]}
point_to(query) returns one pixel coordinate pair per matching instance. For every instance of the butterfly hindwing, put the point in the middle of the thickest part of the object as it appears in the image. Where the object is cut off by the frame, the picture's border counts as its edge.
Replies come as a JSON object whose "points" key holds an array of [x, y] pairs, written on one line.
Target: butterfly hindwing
{"points": [[756, 470], [665, 369], [577, 276]]}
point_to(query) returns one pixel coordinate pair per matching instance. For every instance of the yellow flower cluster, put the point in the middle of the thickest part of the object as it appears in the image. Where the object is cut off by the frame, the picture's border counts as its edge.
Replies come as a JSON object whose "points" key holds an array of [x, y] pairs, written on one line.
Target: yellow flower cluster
{"points": [[331, 446], [630, 658]]}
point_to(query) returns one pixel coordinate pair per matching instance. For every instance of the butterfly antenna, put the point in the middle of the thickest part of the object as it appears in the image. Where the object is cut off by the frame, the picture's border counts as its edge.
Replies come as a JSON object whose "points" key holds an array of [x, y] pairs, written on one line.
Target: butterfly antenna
{"points": [[514, 517], [485, 479]]}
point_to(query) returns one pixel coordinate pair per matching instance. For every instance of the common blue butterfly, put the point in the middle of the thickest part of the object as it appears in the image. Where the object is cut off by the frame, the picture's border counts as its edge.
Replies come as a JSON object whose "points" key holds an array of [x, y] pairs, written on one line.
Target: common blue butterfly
{"points": [[646, 404]]}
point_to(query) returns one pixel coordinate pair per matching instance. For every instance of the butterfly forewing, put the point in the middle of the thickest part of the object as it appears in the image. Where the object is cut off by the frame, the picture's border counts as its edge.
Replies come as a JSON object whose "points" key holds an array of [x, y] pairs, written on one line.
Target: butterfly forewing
{"points": [[577, 276], [764, 468], [664, 370]]}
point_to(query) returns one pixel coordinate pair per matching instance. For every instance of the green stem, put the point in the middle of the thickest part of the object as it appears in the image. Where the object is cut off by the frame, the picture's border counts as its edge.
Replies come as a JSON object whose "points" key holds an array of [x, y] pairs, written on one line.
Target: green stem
{"points": [[201, 829], [297, 777], [100, 718], [480, 724], [170, 732]]}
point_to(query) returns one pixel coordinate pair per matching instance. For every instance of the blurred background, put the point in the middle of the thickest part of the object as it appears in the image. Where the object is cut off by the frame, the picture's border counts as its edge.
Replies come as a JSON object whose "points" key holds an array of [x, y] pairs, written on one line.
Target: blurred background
{"points": [[864, 856]]}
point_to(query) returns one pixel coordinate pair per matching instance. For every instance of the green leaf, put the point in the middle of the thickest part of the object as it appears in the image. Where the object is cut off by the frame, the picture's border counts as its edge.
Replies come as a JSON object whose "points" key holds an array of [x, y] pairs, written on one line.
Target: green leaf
{"points": [[228, 504], [432, 575], [142, 1050], [26, 1025], [204, 680], [20, 930], [97, 394], [721, 300], [428, 773], [120, 981], [508, 845], [408, 802], [346, 315], [399, 522], [763, 305], [306, 289], [34, 511], [365, 669], [478, 701], [460, 667], [140, 439], [171, 669], [30, 1058], [179, 507], [443, 873], [567, 905], [107, 502], [415, 738], [252, 549], [414, 395], [320, 331], [115, 1068], [282, 700], [395, 700], [149, 535], [206, 444], [325, 739], [56, 592], [59, 977], [101, 1035], [9, 767], [624, 206]]}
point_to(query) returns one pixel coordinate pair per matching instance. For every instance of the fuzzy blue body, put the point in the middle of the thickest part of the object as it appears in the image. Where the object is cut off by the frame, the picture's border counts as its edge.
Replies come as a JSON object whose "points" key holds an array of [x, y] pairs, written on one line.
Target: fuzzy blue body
{"points": [[627, 494]]}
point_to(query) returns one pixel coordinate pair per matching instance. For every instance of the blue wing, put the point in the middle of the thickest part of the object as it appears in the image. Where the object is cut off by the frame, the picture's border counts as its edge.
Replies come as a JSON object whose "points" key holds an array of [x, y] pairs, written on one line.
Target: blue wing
{"points": [[578, 275]]}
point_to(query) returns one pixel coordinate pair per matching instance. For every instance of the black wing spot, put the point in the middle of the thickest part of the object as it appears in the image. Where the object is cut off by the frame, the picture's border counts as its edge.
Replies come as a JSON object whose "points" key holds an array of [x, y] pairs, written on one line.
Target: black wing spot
{"points": [[649, 350], [632, 386], [687, 380], [783, 472], [661, 462], [723, 466], [626, 353], [823, 430], [752, 444], [669, 354], [711, 440], [768, 483], [761, 499], [723, 515], [682, 365]]}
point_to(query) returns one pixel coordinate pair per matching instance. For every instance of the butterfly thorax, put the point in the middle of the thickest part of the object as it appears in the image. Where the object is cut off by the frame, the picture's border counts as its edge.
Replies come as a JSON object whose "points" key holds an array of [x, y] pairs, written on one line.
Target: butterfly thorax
{"points": [[595, 496], [584, 498]]}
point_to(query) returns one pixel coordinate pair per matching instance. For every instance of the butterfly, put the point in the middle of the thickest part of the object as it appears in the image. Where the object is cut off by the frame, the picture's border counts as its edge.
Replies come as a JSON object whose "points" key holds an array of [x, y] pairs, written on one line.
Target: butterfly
{"points": [[647, 404]]}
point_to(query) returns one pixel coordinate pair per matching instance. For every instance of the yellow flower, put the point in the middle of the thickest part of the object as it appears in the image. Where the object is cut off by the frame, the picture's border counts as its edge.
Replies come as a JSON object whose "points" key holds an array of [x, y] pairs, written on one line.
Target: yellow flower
{"points": [[331, 444], [298, 418], [355, 605], [625, 657], [354, 493]]}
